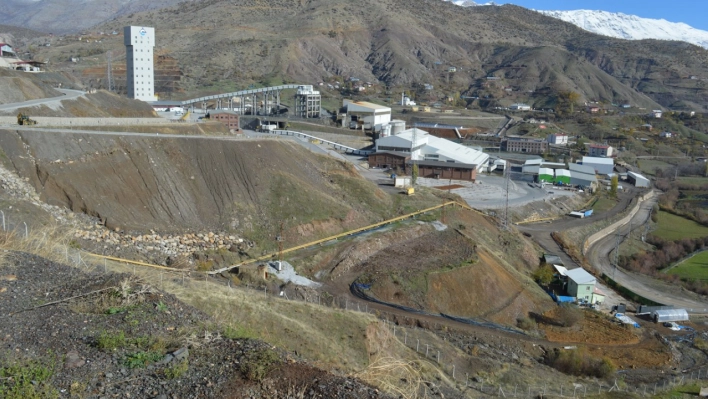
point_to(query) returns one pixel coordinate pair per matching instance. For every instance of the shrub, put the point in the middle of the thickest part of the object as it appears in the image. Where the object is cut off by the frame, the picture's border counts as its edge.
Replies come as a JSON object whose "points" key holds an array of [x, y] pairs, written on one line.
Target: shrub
{"points": [[526, 323], [257, 364], [569, 315], [543, 276], [177, 370], [577, 362], [141, 359]]}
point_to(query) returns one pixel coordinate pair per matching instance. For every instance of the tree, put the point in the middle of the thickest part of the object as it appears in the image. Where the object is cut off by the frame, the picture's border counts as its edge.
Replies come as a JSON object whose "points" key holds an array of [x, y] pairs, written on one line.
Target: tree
{"points": [[543, 276], [613, 186], [414, 174]]}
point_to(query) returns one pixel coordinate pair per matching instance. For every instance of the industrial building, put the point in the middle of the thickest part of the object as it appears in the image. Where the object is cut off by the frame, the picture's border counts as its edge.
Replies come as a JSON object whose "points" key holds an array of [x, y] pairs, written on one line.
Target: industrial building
{"points": [[435, 157], [524, 145], [308, 102], [228, 118], [637, 179], [139, 68], [365, 115], [582, 175], [602, 166], [6, 50], [520, 107]]}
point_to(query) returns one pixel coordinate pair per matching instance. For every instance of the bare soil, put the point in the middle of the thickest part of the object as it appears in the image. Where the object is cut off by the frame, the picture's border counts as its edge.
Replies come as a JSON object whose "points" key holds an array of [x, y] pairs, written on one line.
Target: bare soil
{"points": [[92, 344]]}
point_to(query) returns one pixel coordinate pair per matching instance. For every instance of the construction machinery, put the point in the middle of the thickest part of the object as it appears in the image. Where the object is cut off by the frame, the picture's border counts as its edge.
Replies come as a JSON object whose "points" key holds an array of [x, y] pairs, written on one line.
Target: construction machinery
{"points": [[25, 120]]}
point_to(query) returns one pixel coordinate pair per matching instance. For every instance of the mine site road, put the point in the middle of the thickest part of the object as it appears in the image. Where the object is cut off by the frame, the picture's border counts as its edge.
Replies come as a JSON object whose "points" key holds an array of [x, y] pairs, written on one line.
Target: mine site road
{"points": [[598, 255], [68, 95], [42, 130]]}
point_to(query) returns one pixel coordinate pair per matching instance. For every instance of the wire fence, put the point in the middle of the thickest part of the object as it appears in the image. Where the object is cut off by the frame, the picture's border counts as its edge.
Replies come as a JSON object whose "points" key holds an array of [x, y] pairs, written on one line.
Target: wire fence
{"points": [[453, 361]]}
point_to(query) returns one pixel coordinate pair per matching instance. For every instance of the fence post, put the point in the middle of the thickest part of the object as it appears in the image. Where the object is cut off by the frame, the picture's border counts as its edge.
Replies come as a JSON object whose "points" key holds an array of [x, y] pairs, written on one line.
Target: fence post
{"points": [[417, 344], [453, 371], [426, 349], [405, 337], [438, 357]]}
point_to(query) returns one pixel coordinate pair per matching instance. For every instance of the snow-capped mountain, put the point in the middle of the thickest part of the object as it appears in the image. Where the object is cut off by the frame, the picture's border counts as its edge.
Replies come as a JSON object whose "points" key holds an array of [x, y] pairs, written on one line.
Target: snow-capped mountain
{"points": [[631, 27], [469, 3]]}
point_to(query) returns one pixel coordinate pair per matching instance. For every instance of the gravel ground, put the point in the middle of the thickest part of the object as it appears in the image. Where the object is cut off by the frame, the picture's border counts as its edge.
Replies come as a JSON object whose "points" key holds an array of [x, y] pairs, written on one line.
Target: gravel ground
{"points": [[117, 337]]}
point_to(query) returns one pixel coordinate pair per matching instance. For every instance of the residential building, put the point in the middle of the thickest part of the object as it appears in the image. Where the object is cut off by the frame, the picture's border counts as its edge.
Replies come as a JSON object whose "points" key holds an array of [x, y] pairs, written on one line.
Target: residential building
{"points": [[6, 50], [657, 113], [600, 150], [558, 139], [140, 71], [228, 118], [603, 166], [665, 135], [525, 145], [581, 284], [593, 109]]}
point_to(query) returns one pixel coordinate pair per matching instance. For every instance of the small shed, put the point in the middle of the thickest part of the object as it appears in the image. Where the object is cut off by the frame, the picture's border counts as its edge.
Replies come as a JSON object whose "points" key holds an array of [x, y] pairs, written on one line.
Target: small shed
{"points": [[402, 181], [660, 316], [637, 179]]}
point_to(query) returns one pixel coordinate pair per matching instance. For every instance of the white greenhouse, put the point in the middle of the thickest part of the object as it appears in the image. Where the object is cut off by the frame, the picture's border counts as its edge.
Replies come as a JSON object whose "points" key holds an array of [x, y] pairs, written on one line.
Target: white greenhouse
{"points": [[660, 316]]}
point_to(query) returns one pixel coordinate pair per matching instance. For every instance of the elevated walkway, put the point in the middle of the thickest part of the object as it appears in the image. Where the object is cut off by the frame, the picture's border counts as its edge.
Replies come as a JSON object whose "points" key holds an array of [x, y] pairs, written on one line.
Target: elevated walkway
{"points": [[242, 93]]}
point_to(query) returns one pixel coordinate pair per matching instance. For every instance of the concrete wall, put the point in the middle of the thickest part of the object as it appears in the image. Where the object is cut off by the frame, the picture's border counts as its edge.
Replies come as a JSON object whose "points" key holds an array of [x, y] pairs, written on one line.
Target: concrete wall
{"points": [[611, 228], [60, 121]]}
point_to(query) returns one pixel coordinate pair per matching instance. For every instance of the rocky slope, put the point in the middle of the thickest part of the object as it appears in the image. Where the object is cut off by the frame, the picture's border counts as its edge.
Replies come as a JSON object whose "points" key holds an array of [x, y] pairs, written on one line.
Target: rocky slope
{"points": [[406, 43]]}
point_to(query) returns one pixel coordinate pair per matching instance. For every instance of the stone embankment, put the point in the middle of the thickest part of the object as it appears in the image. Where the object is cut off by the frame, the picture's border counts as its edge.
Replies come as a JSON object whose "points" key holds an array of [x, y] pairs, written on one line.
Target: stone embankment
{"points": [[166, 244]]}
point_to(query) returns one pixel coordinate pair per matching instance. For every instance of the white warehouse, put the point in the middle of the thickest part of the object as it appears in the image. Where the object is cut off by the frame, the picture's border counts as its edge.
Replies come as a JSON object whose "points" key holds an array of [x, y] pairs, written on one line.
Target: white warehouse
{"points": [[366, 114], [426, 147]]}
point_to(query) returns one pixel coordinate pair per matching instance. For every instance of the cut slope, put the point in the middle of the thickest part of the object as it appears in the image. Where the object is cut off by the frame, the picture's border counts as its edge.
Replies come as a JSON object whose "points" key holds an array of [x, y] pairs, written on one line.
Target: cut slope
{"points": [[196, 183]]}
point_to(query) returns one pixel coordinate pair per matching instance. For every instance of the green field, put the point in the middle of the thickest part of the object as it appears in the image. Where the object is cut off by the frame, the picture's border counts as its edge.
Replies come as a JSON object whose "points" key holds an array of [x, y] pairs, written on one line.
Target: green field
{"points": [[648, 166], [672, 227], [694, 180], [694, 268]]}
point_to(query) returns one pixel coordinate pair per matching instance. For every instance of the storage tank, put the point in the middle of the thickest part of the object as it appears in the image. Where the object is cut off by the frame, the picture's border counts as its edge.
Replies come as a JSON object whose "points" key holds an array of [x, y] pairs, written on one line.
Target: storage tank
{"points": [[397, 126], [385, 131]]}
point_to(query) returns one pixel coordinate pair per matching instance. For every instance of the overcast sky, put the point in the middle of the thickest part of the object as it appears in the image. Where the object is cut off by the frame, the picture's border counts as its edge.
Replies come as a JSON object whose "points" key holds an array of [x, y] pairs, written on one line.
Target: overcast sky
{"points": [[692, 12]]}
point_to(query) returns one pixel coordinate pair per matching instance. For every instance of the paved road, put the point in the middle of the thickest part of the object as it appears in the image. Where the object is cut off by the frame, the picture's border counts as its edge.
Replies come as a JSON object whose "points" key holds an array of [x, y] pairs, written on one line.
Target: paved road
{"points": [[599, 255], [656, 290], [68, 95]]}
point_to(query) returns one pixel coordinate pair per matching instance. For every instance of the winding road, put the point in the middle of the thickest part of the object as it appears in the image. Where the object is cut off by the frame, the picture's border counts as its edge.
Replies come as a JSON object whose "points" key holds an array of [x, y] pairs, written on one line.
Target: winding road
{"points": [[68, 94], [598, 255]]}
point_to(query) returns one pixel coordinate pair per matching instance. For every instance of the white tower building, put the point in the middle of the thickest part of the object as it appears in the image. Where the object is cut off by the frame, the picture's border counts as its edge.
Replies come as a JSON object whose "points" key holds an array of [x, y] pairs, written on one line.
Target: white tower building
{"points": [[140, 71]]}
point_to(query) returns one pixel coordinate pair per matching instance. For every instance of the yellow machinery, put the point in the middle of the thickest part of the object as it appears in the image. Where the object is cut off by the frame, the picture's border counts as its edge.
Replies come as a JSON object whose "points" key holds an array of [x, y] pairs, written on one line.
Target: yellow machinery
{"points": [[410, 191], [24, 120]]}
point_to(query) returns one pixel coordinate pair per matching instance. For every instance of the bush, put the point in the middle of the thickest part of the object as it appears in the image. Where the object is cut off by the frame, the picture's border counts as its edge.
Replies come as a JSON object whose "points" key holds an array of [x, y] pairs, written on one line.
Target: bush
{"points": [[569, 315], [26, 381], [577, 362], [110, 341], [177, 370], [543, 276], [526, 324], [257, 364]]}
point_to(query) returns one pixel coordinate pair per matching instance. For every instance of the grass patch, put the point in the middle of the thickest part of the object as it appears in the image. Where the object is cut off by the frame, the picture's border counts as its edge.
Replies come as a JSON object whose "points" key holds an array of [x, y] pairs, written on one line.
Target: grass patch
{"points": [[649, 166], [111, 340], [693, 268], [671, 227], [239, 332], [141, 359], [578, 362], [27, 380], [604, 204]]}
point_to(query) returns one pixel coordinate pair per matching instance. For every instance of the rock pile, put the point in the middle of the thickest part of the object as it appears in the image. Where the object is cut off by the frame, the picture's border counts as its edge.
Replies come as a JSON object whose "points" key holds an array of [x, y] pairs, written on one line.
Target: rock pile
{"points": [[167, 244]]}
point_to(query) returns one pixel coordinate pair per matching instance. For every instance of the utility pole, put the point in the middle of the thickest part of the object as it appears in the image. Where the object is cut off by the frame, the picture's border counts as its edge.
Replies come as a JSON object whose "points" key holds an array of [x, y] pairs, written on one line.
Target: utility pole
{"points": [[109, 71], [505, 222], [280, 247]]}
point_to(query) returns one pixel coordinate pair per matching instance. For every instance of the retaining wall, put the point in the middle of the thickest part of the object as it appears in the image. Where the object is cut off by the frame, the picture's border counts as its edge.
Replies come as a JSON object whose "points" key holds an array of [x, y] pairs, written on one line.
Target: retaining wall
{"points": [[46, 121], [609, 229]]}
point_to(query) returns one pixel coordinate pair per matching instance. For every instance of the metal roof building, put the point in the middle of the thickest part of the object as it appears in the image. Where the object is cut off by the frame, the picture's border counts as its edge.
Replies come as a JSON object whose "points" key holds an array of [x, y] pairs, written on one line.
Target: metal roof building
{"points": [[582, 175], [428, 148], [603, 166], [637, 179], [371, 114], [660, 316]]}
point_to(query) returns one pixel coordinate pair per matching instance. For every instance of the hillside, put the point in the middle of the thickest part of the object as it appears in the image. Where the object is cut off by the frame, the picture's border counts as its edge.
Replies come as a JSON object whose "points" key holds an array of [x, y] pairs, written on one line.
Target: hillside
{"points": [[401, 43]]}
